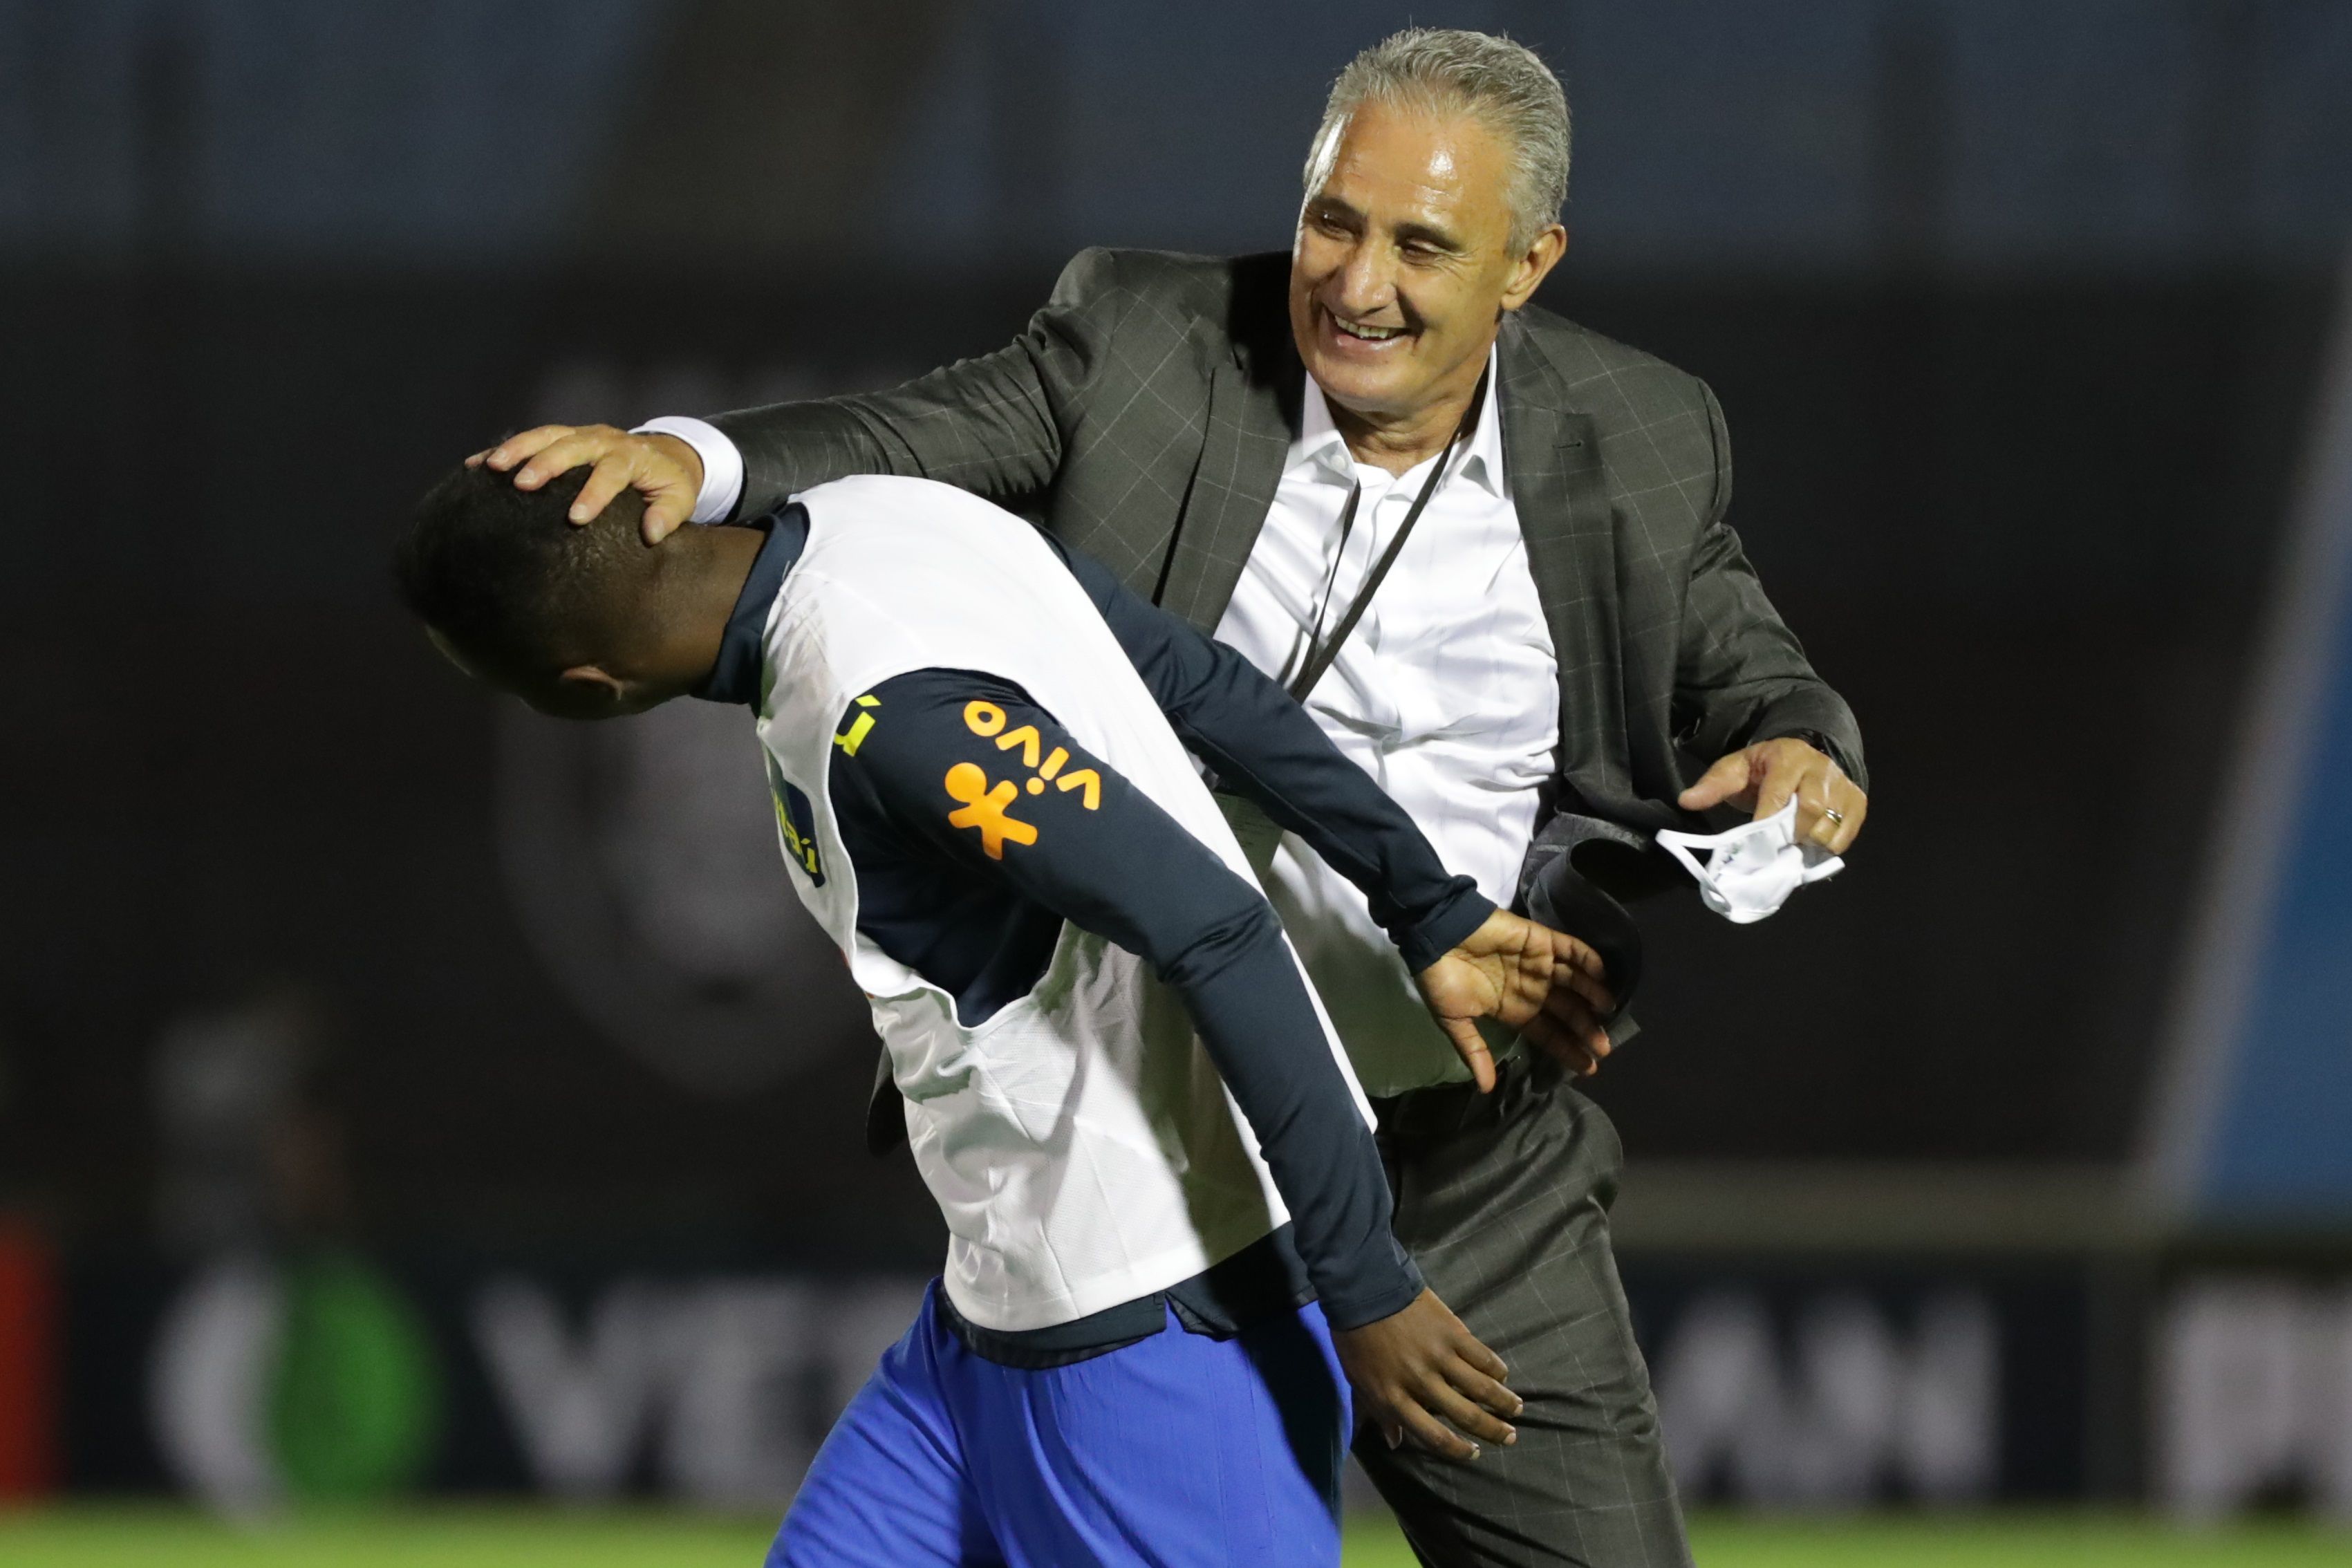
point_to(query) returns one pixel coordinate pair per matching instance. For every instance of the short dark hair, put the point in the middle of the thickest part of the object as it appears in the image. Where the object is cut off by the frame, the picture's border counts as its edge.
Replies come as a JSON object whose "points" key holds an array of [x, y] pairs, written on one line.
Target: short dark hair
{"points": [[504, 574]]}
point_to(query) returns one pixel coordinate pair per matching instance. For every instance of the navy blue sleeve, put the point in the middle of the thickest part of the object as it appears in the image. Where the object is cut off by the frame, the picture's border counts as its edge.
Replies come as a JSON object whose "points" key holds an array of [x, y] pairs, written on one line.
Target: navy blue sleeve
{"points": [[966, 766], [1264, 746]]}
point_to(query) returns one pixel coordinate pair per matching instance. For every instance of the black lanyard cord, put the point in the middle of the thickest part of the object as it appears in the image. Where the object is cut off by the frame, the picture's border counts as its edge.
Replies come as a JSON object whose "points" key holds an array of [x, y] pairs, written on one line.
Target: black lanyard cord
{"points": [[1319, 655]]}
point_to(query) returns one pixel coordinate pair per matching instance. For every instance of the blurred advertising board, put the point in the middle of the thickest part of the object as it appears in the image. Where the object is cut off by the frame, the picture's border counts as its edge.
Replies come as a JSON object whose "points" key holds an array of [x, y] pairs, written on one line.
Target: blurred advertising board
{"points": [[1837, 1385], [251, 1381]]}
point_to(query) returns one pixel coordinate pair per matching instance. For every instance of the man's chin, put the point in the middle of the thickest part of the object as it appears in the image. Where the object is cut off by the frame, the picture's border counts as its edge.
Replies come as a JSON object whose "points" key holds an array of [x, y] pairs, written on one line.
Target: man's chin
{"points": [[1367, 389]]}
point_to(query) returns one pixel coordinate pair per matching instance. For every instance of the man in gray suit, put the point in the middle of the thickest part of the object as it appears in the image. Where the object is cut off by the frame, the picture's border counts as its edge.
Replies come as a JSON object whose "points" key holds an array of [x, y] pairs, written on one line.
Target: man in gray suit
{"points": [[1569, 626]]}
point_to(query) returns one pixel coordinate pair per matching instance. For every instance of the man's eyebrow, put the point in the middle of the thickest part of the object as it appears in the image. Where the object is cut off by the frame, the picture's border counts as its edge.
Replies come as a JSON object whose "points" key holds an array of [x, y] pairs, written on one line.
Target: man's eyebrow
{"points": [[1426, 234], [1407, 232]]}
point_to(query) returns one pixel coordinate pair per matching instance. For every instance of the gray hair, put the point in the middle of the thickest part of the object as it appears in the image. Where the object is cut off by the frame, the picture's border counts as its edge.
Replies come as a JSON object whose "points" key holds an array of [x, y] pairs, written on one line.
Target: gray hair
{"points": [[1445, 71]]}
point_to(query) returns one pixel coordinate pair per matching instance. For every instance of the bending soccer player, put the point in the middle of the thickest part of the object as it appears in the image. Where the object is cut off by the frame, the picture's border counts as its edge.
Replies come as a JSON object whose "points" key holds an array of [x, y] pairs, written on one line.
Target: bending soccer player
{"points": [[1136, 1351]]}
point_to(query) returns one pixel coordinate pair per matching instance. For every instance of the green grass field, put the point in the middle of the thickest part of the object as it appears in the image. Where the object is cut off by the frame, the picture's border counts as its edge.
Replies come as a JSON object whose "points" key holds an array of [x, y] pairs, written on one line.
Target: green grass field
{"points": [[505, 1537]]}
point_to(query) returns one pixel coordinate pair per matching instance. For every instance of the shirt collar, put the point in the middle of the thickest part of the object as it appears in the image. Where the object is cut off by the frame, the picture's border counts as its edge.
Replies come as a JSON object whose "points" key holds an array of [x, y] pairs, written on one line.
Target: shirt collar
{"points": [[1321, 444], [742, 648]]}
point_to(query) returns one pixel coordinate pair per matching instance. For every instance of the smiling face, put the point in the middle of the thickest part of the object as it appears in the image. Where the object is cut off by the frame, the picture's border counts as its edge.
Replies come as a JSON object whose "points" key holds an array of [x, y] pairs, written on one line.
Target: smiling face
{"points": [[1404, 262]]}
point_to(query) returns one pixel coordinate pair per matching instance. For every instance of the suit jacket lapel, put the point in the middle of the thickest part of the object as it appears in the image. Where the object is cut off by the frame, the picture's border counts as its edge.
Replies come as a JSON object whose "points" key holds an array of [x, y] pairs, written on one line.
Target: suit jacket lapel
{"points": [[1252, 420], [1557, 484], [1562, 499]]}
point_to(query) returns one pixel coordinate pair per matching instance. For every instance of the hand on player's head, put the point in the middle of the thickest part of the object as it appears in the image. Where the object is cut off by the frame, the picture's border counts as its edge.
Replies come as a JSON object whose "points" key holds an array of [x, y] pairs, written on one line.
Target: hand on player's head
{"points": [[661, 471]]}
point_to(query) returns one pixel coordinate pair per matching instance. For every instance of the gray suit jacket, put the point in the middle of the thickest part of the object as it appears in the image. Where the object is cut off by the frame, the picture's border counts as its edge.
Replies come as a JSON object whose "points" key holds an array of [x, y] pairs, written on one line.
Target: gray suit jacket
{"points": [[1143, 417]]}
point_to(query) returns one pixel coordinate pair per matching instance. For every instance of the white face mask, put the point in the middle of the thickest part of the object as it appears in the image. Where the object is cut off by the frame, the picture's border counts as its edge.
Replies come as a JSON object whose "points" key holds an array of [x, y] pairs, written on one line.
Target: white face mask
{"points": [[1749, 872]]}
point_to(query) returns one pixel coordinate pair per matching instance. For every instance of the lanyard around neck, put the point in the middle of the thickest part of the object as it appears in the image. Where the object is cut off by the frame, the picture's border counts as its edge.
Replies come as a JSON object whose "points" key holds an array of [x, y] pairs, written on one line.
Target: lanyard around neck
{"points": [[1319, 653]]}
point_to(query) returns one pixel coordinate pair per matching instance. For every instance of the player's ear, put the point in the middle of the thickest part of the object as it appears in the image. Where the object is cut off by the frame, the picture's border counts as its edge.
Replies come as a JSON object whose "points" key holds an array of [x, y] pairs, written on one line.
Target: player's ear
{"points": [[594, 680]]}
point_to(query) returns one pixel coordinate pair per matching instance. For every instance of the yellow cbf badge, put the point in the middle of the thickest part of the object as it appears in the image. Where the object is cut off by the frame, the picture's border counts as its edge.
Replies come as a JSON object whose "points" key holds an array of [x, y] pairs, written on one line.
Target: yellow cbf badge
{"points": [[986, 806], [795, 825]]}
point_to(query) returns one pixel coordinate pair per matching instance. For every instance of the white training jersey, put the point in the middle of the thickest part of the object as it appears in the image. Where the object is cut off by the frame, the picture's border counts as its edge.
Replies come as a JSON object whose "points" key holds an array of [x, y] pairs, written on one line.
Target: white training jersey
{"points": [[1080, 1143]]}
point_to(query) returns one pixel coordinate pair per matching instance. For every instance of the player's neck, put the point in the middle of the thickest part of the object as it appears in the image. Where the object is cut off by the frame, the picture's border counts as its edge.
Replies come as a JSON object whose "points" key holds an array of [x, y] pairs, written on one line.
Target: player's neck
{"points": [[719, 562], [695, 597]]}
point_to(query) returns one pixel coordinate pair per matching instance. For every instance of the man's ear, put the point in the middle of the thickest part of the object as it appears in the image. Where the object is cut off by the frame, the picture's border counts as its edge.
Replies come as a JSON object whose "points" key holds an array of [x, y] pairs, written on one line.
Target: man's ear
{"points": [[1528, 272], [596, 681]]}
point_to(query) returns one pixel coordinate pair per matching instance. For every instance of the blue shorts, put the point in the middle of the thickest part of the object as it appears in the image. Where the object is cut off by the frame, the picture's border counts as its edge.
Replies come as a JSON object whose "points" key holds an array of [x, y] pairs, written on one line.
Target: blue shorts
{"points": [[1178, 1449]]}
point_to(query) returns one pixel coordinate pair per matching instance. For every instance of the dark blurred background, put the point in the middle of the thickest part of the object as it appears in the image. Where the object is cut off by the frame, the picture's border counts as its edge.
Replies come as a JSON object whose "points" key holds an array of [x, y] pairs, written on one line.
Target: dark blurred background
{"points": [[336, 993]]}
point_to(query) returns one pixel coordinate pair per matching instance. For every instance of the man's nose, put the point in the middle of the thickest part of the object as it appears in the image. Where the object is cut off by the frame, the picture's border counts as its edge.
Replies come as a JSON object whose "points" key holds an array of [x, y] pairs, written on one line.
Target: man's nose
{"points": [[1367, 281]]}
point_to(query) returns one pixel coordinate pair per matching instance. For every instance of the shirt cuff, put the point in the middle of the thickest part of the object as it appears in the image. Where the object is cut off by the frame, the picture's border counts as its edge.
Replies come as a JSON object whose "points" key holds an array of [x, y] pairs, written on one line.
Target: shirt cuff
{"points": [[1395, 1284], [722, 464], [1445, 928]]}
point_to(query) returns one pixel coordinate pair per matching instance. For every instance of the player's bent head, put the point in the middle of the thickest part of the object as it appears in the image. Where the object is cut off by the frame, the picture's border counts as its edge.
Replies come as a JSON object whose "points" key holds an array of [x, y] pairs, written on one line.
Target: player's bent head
{"points": [[519, 595]]}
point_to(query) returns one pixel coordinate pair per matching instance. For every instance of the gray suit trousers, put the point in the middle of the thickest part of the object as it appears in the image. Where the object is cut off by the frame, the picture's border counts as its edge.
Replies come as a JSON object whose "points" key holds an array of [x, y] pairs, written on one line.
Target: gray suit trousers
{"points": [[1504, 1202]]}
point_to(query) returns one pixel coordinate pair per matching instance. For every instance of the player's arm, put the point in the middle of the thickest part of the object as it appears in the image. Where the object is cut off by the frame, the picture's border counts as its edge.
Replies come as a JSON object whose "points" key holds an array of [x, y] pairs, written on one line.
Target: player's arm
{"points": [[1472, 958], [1264, 745], [970, 767]]}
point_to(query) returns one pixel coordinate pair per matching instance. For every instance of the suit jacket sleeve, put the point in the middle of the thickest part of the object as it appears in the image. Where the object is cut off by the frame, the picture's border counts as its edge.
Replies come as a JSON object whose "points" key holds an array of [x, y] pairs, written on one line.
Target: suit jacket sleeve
{"points": [[990, 425], [1740, 674]]}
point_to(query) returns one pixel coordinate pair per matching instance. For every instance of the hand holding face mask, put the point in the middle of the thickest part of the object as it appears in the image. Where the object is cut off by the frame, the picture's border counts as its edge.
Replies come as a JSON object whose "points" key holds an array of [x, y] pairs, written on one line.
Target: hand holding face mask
{"points": [[1750, 872]]}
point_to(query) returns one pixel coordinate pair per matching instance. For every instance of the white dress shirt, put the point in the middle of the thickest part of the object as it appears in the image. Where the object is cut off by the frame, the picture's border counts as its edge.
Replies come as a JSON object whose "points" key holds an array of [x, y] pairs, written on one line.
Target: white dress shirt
{"points": [[1447, 693], [722, 463]]}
